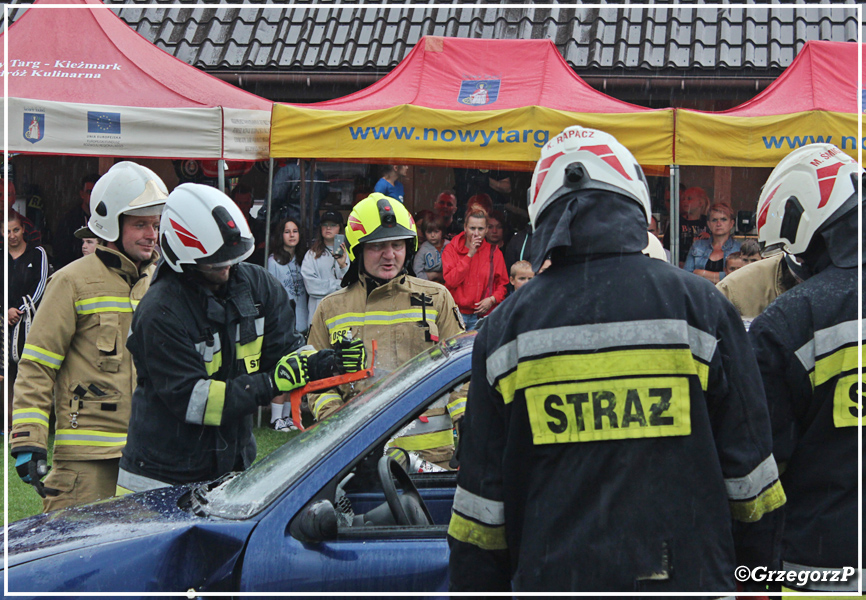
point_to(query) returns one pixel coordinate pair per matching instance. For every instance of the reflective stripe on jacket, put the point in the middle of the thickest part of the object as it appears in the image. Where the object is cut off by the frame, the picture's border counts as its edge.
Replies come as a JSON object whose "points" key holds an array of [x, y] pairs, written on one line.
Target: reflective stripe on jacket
{"points": [[806, 344], [76, 359], [393, 315], [615, 436], [205, 365]]}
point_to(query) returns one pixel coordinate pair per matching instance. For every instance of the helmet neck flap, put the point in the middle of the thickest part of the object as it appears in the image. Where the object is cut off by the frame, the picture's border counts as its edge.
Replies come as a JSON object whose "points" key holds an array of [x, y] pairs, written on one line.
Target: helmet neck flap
{"points": [[589, 222]]}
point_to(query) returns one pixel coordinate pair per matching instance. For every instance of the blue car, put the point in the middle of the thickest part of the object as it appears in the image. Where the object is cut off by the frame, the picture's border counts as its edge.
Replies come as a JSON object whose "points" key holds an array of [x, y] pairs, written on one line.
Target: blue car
{"points": [[321, 513]]}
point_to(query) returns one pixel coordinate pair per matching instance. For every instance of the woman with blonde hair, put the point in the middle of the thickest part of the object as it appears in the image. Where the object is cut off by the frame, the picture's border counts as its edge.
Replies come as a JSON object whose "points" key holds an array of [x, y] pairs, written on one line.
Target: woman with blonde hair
{"points": [[707, 257]]}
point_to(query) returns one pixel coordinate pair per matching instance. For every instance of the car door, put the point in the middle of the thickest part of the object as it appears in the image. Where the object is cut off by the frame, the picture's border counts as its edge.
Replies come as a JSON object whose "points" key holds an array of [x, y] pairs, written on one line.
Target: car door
{"points": [[364, 559]]}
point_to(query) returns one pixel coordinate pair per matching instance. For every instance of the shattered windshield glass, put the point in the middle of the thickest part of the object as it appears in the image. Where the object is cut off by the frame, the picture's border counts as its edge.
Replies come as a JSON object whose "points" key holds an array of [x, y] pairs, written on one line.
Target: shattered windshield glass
{"points": [[247, 493]]}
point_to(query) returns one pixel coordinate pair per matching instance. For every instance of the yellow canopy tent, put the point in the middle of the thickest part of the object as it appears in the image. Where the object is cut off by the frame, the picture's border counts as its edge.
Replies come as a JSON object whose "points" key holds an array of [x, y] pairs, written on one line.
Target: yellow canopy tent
{"points": [[814, 100], [467, 102]]}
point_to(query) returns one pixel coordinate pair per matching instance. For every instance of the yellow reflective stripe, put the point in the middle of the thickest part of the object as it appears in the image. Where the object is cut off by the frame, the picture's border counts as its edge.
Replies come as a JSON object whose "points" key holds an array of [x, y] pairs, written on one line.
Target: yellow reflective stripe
{"points": [[380, 317], [103, 304], [749, 511], [37, 416], [457, 408], [42, 356], [214, 364], [482, 536], [847, 401], [844, 359], [121, 491], [602, 365], [216, 399], [425, 441], [250, 353], [88, 437], [324, 400], [613, 409]]}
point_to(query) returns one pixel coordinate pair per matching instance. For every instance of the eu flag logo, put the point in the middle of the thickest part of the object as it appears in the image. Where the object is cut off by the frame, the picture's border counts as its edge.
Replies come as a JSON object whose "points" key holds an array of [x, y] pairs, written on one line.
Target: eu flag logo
{"points": [[103, 122]]}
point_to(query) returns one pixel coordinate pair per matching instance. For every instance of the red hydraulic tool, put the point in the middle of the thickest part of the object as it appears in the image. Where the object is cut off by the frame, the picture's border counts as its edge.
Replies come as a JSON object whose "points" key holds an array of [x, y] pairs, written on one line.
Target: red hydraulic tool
{"points": [[331, 382]]}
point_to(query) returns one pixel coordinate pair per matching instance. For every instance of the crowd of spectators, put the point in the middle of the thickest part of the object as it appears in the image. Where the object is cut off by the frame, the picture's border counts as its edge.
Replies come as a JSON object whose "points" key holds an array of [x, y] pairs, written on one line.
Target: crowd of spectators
{"points": [[465, 242]]}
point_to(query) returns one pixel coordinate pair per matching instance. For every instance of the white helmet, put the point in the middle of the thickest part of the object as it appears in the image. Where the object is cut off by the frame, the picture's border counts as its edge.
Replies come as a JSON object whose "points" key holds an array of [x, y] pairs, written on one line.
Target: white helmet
{"points": [[582, 159], [202, 226], [126, 188], [801, 195], [654, 248]]}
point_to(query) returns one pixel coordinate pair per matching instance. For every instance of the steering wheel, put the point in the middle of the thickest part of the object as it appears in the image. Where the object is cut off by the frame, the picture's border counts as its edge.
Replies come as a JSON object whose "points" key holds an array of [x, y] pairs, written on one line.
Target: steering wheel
{"points": [[417, 513]]}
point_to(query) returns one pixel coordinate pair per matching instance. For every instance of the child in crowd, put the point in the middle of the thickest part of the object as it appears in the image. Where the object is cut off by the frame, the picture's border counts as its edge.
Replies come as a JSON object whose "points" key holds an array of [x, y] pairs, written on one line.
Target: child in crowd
{"points": [[428, 260], [750, 250], [733, 262], [521, 272]]}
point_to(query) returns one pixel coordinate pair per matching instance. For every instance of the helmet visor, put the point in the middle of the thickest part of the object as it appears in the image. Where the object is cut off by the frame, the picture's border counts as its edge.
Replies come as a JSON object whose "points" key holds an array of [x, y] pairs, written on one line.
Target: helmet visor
{"points": [[227, 255], [773, 249]]}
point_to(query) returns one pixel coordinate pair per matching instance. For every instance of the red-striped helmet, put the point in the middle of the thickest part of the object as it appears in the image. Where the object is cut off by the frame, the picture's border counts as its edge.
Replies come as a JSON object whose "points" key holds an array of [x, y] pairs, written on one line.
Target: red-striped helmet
{"points": [[808, 187], [582, 159], [202, 227]]}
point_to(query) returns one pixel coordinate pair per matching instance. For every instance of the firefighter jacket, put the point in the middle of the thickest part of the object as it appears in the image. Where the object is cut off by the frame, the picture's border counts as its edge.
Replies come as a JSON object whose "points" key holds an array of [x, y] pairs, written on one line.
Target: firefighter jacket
{"points": [[205, 364], [470, 280], [405, 316], [806, 344], [615, 425], [752, 288], [76, 359]]}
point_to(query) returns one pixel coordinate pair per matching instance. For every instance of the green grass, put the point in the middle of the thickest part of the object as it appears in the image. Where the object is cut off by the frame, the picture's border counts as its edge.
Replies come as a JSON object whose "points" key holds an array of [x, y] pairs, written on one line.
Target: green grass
{"points": [[24, 501]]}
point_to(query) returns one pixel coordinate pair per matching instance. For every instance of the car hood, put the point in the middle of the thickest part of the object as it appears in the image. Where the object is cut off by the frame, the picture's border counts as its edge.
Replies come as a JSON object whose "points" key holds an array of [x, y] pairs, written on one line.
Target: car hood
{"points": [[148, 514]]}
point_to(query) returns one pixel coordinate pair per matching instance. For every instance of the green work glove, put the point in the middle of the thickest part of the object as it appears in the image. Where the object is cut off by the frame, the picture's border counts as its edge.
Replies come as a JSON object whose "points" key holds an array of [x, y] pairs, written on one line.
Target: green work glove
{"points": [[291, 371], [351, 355]]}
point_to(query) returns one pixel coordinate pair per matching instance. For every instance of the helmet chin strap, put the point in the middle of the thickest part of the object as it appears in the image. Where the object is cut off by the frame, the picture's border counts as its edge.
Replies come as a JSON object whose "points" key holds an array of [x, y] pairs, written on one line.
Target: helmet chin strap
{"points": [[118, 246], [377, 280]]}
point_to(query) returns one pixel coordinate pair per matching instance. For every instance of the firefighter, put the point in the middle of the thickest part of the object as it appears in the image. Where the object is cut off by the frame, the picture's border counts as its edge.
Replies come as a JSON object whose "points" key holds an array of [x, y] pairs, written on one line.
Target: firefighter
{"points": [[806, 344], [75, 359], [404, 314], [615, 423], [213, 341]]}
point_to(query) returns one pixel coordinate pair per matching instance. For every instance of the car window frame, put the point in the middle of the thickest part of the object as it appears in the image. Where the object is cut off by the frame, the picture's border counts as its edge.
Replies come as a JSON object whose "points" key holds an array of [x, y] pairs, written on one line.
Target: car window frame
{"points": [[355, 533]]}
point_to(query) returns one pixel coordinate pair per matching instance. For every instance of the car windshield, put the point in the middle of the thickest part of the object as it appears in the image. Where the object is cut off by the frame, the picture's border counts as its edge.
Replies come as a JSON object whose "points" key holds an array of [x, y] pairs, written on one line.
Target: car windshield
{"points": [[248, 492]]}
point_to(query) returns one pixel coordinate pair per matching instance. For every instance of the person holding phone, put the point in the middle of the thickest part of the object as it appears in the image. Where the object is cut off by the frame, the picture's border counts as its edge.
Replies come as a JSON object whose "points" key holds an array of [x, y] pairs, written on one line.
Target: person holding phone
{"points": [[326, 262]]}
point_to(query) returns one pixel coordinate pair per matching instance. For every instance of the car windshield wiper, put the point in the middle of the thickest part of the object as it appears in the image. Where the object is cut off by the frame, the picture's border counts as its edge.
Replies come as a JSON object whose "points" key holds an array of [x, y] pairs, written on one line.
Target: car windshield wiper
{"points": [[198, 494], [197, 500]]}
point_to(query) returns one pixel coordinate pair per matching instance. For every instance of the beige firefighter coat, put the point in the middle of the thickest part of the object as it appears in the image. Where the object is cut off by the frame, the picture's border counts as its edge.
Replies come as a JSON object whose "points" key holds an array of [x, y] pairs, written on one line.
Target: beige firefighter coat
{"points": [[752, 288], [392, 315], [76, 358]]}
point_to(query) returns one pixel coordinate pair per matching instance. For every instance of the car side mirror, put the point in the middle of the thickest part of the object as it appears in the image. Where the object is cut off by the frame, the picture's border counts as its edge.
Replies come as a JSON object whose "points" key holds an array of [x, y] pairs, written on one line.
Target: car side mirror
{"points": [[316, 523]]}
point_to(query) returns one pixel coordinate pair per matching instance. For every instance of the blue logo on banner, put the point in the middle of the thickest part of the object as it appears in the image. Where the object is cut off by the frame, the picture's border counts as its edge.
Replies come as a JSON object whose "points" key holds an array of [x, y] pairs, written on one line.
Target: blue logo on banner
{"points": [[479, 92], [863, 98], [34, 127], [103, 122]]}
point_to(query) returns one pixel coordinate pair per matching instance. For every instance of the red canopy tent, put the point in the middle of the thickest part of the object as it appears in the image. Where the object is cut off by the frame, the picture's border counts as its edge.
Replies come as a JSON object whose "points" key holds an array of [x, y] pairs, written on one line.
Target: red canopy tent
{"points": [[83, 82], [457, 101], [816, 99]]}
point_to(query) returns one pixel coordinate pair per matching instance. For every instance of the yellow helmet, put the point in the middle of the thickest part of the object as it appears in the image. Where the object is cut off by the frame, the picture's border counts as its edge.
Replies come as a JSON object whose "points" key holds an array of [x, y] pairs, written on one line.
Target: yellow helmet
{"points": [[378, 218]]}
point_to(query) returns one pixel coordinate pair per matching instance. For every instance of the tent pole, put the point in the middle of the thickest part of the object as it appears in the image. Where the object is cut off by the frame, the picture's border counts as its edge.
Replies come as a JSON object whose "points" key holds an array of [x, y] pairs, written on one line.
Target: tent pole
{"points": [[302, 167], [674, 242], [221, 175], [312, 205], [268, 210]]}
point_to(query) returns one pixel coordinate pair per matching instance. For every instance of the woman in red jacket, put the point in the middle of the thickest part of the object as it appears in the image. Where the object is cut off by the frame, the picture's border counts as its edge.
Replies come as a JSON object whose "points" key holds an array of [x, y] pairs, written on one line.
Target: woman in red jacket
{"points": [[474, 270]]}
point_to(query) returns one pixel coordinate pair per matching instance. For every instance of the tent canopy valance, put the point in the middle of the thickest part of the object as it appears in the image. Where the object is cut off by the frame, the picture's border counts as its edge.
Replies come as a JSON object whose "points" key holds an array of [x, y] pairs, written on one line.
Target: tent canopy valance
{"points": [[814, 100], [467, 102], [81, 82]]}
